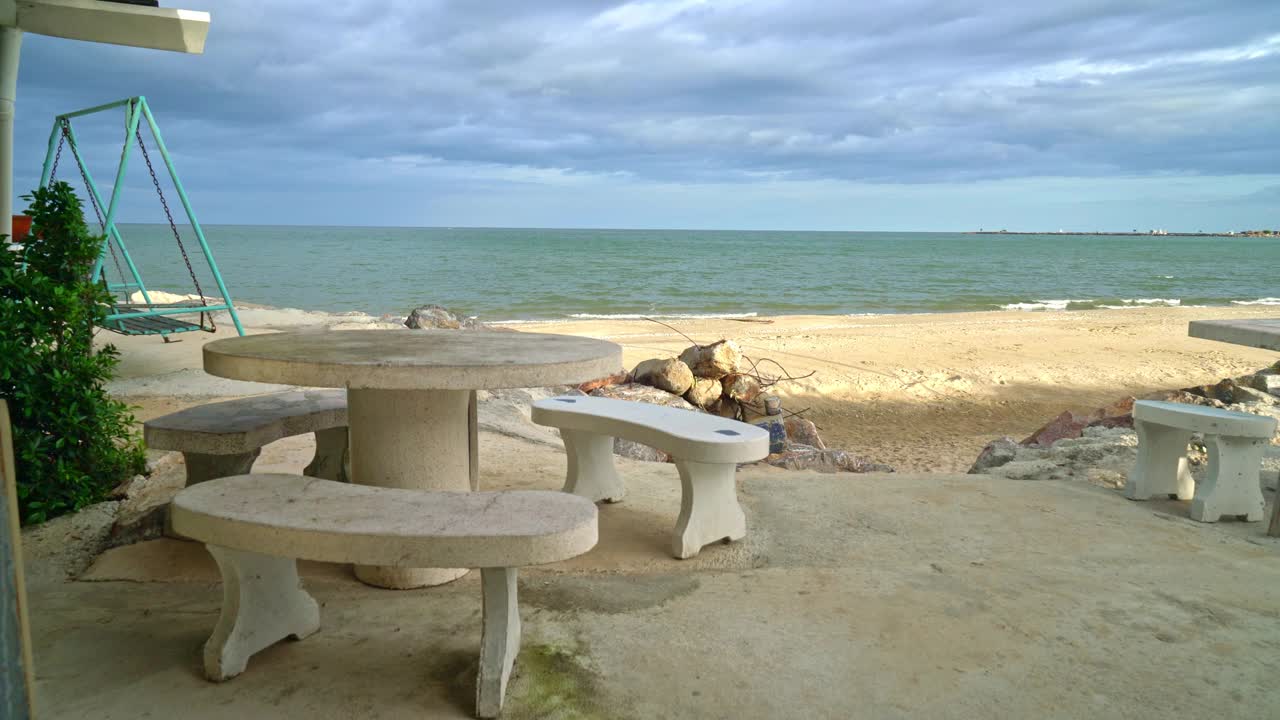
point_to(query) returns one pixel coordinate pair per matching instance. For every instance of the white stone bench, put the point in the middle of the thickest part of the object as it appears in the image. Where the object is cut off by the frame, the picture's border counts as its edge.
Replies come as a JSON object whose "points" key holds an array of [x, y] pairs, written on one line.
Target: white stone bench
{"points": [[1235, 441], [257, 526], [224, 438], [706, 450]]}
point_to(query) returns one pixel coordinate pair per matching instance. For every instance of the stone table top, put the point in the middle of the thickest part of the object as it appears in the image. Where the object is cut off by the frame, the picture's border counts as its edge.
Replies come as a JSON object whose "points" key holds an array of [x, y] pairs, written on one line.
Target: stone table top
{"points": [[396, 359], [1260, 333]]}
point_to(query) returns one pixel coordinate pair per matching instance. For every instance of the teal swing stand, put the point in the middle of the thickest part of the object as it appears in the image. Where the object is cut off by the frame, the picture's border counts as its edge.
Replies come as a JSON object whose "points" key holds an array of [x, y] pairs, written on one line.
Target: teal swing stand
{"points": [[127, 317]]}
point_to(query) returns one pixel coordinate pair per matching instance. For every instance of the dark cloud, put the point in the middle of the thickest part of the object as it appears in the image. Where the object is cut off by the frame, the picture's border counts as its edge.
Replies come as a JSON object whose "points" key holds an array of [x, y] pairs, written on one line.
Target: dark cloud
{"points": [[394, 95]]}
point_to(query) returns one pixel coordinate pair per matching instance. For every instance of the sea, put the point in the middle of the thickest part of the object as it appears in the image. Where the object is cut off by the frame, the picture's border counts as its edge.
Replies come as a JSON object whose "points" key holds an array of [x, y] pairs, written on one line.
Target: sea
{"points": [[513, 274]]}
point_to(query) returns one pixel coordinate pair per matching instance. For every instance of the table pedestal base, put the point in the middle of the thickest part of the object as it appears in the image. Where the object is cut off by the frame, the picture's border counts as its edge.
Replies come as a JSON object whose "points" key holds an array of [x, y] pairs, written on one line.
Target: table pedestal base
{"points": [[413, 439]]}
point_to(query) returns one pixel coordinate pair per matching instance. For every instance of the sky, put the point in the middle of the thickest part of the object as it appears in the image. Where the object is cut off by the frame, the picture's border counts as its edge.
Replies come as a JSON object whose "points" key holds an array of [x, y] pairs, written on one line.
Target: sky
{"points": [[790, 114]]}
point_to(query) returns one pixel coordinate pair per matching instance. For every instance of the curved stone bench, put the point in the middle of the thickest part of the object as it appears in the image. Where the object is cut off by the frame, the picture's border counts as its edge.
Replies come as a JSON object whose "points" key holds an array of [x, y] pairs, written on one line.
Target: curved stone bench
{"points": [[1235, 441], [257, 526], [706, 450], [224, 438]]}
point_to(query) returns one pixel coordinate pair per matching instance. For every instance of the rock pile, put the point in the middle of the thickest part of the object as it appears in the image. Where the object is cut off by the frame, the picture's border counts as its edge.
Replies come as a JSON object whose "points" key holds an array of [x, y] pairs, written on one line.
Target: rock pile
{"points": [[713, 379], [1101, 446]]}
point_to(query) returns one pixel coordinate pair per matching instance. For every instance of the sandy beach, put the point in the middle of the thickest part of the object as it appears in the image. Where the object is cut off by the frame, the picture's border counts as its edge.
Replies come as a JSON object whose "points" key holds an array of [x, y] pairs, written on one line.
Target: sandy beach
{"points": [[919, 392]]}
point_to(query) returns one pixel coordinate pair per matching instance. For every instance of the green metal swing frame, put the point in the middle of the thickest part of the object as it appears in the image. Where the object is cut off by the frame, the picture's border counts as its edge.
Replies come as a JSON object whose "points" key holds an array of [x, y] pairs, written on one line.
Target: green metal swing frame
{"points": [[146, 318]]}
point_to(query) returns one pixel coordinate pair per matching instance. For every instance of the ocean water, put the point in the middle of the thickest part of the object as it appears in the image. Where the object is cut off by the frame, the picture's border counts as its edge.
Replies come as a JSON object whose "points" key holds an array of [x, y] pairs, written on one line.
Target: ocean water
{"points": [[513, 274]]}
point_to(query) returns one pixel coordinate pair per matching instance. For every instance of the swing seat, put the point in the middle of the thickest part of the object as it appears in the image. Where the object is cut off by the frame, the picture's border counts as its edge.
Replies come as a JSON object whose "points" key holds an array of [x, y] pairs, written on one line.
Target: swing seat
{"points": [[147, 324]]}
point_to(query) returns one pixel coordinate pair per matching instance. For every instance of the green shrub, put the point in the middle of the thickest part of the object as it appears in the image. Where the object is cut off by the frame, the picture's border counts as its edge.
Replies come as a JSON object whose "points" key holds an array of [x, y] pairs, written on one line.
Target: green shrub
{"points": [[73, 443]]}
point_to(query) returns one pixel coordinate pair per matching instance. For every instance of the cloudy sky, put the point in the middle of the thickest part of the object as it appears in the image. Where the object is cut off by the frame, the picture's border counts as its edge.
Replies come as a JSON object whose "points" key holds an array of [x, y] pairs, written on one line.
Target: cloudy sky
{"points": [[736, 114]]}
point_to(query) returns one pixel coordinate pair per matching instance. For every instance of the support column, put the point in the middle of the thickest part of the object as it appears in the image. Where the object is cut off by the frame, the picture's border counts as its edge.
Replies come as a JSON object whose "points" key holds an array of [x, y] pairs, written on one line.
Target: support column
{"points": [[330, 460], [414, 439], [202, 467], [262, 603], [592, 474], [499, 639], [1162, 467], [709, 509], [1231, 486], [10, 52]]}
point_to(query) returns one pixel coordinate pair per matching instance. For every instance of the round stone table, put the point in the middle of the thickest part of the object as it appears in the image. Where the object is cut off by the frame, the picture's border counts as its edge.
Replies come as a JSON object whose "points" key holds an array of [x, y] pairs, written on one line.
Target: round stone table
{"points": [[408, 393]]}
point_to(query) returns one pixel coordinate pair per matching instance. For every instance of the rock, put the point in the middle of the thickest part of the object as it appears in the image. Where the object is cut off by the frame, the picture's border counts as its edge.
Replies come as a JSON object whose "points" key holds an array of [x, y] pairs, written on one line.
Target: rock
{"points": [[1265, 410], [617, 379], [1223, 391], [743, 388], [713, 361], [1101, 456], [803, 432], [1182, 396], [1268, 381], [64, 546], [725, 407], [506, 412], [434, 316], [997, 452], [141, 515], [1247, 394], [665, 374], [704, 392], [1066, 425], [804, 457], [1117, 414], [636, 392], [1029, 470], [634, 450]]}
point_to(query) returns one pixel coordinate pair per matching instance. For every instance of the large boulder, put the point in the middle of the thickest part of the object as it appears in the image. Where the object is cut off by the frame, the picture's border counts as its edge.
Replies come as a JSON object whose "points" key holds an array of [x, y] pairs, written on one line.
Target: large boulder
{"points": [[1267, 381], [704, 392], [1000, 451], [803, 432], [665, 374], [1066, 425], [1117, 414], [713, 361], [435, 316], [743, 388], [1100, 456], [1223, 391]]}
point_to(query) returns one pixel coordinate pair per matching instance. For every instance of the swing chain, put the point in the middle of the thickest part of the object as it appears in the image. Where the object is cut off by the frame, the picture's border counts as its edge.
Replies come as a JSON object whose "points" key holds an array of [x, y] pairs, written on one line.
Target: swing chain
{"points": [[174, 227], [93, 200]]}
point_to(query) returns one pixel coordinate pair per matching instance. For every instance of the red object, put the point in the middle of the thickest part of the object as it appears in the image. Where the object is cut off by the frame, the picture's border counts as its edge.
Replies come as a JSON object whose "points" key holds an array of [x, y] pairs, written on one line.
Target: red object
{"points": [[21, 227]]}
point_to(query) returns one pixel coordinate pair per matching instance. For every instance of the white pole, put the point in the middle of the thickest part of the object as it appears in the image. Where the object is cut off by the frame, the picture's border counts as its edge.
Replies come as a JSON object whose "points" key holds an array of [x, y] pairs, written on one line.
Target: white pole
{"points": [[10, 51]]}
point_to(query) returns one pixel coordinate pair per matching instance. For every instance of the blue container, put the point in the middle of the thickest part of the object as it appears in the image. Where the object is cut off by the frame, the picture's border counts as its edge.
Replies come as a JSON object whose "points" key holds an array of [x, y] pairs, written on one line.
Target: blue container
{"points": [[777, 433]]}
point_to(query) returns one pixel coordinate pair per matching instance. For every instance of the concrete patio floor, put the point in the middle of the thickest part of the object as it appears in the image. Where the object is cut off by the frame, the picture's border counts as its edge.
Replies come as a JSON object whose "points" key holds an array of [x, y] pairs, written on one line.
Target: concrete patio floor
{"points": [[876, 596]]}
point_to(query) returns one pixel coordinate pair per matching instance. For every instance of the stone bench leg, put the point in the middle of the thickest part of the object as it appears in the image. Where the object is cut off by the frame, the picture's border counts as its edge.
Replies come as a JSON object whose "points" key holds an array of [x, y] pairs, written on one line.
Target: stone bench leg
{"points": [[591, 471], [202, 467], [473, 440], [262, 603], [1232, 485], [1162, 463], [709, 509], [499, 639], [330, 461]]}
